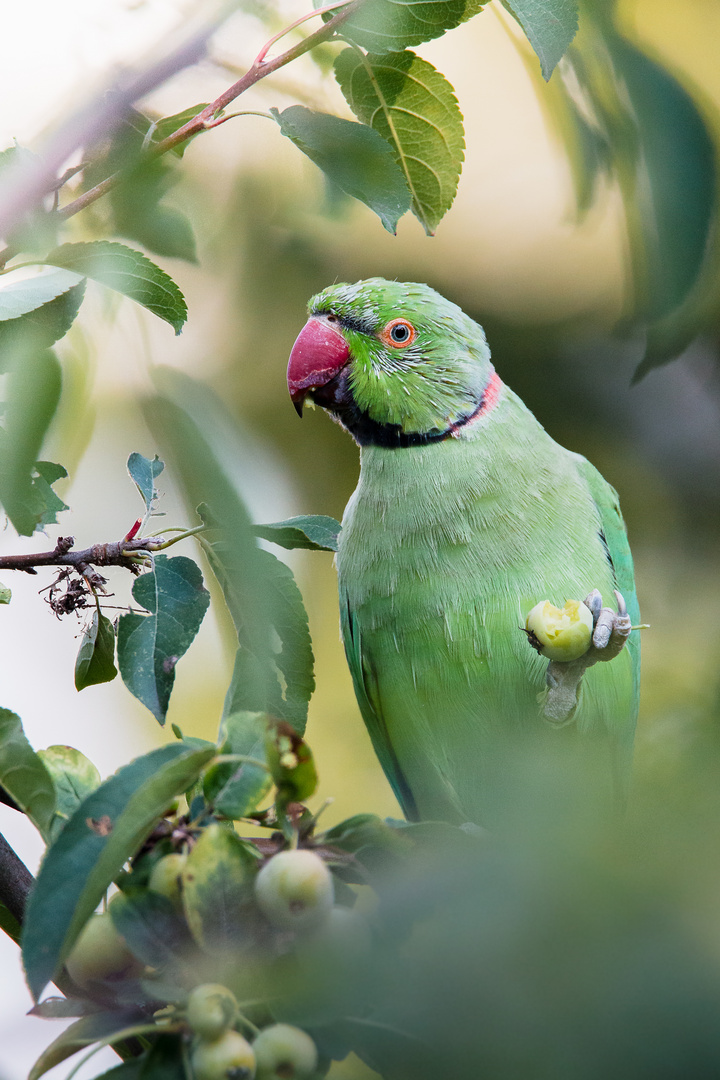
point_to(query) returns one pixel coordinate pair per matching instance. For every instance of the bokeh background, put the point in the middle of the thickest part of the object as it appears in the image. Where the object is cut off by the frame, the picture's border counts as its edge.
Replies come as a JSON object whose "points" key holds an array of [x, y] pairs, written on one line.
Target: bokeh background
{"points": [[552, 287]]}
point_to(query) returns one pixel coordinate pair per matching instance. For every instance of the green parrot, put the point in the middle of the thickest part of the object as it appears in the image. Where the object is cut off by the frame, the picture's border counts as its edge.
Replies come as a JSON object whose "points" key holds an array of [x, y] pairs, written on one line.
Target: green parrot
{"points": [[467, 515]]}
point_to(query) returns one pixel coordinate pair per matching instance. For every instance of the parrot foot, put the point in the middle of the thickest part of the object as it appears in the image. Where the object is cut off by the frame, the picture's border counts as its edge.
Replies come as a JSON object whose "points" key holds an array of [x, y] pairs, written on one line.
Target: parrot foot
{"points": [[611, 629]]}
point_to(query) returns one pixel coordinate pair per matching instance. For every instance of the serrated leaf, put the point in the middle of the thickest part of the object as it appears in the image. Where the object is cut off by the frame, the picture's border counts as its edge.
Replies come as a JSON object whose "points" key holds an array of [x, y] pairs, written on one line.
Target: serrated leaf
{"points": [[382, 26], [415, 110], [154, 931], [74, 777], [217, 890], [149, 646], [28, 295], [44, 325], [96, 659], [234, 789], [145, 472], [314, 532], [23, 773], [550, 26], [108, 828], [128, 272], [353, 156], [97, 1027], [34, 387]]}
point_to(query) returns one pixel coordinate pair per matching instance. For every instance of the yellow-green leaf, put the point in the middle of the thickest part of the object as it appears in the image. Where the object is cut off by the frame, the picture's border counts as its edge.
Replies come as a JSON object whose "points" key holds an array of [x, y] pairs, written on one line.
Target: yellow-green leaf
{"points": [[414, 108]]}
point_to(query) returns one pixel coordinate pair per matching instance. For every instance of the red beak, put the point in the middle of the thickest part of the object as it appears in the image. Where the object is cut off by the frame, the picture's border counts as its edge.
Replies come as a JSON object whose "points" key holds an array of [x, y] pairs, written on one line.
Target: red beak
{"points": [[319, 353]]}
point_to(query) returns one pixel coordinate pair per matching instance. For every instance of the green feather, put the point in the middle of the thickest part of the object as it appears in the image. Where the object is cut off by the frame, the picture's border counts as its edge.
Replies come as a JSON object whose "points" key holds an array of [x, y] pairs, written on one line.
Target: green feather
{"points": [[444, 549]]}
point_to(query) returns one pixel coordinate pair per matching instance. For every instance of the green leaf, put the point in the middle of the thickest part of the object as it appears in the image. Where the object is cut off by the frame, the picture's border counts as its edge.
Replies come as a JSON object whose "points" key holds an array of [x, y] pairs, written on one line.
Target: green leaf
{"points": [[315, 532], [136, 204], [202, 441], [145, 472], [9, 924], [5, 594], [218, 893], [351, 155], [415, 110], [74, 777], [168, 125], [89, 1029], [234, 789], [96, 659], [154, 931], [127, 272], [47, 473], [149, 646], [286, 698], [291, 764], [294, 659], [43, 307], [166, 1059], [382, 26], [36, 229], [677, 160], [62, 1008], [45, 325], [550, 26], [34, 387], [108, 828], [23, 773], [126, 1070]]}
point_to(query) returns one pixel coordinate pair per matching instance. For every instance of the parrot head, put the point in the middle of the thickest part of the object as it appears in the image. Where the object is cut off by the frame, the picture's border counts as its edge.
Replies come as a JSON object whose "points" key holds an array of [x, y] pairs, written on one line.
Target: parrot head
{"points": [[394, 362]]}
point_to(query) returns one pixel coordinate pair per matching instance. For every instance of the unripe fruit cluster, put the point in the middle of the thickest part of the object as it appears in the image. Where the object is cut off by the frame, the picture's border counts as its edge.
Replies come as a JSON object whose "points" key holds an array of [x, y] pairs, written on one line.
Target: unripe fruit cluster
{"points": [[221, 1053]]}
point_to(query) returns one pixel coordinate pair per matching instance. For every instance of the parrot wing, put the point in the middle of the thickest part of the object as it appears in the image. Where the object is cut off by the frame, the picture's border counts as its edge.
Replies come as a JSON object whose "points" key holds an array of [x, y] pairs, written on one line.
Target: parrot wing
{"points": [[368, 697]]}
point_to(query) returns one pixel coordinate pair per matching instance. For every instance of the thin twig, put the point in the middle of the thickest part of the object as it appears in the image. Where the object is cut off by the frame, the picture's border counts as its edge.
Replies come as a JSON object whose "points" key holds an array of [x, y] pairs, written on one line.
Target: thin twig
{"points": [[118, 553], [207, 117]]}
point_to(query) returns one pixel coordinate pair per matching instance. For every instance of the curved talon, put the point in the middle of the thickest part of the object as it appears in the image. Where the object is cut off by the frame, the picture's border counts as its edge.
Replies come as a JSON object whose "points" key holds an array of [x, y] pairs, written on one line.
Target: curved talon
{"points": [[621, 605]]}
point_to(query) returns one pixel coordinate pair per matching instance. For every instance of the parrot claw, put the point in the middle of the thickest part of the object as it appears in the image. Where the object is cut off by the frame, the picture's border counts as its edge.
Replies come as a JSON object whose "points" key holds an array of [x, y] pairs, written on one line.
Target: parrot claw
{"points": [[611, 629], [563, 679]]}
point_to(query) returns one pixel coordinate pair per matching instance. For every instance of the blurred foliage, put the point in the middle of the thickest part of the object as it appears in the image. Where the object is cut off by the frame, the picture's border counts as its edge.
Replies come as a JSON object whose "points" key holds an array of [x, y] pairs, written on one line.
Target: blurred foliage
{"points": [[571, 948]]}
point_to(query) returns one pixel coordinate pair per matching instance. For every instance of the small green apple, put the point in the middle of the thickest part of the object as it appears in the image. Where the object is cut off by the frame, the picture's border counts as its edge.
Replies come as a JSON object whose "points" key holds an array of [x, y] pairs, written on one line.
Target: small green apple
{"points": [[211, 1010], [561, 633], [284, 1052], [294, 890], [231, 1057]]}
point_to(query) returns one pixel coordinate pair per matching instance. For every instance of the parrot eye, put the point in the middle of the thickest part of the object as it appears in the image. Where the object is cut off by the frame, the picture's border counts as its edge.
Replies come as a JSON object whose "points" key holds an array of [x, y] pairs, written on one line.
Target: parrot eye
{"points": [[398, 333]]}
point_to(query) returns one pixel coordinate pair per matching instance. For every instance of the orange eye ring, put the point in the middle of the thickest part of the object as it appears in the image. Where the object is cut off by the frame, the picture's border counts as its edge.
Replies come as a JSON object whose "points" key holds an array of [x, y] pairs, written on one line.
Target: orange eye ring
{"points": [[398, 334]]}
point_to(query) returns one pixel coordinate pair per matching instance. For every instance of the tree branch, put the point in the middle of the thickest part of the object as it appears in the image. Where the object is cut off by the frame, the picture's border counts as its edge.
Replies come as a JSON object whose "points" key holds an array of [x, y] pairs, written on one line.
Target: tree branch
{"points": [[15, 881], [119, 553], [25, 187], [205, 120], [30, 184]]}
